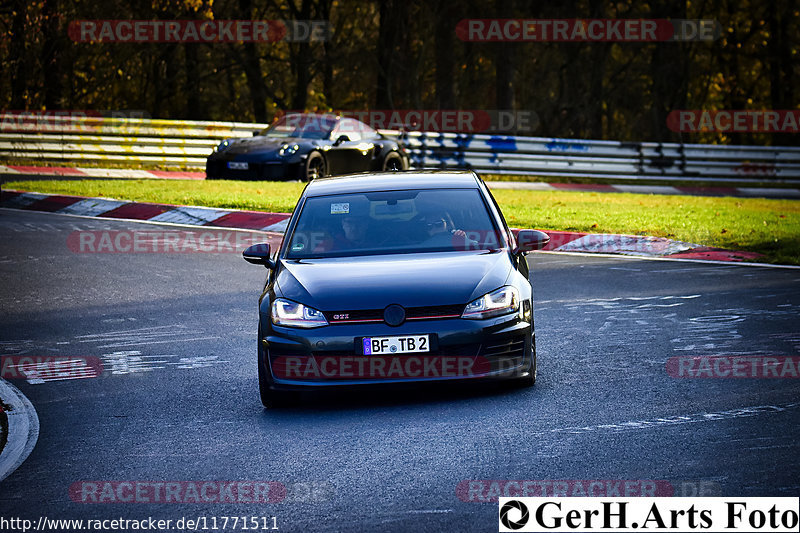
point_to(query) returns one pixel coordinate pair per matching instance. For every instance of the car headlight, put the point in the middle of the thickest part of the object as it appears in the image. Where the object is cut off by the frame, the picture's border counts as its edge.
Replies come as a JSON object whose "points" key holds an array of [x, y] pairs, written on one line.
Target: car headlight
{"points": [[288, 149], [223, 145], [297, 315], [503, 301]]}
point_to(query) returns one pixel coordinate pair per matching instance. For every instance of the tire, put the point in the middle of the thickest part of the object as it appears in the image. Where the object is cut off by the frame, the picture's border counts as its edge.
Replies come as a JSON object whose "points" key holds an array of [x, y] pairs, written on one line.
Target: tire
{"points": [[393, 162], [315, 167], [269, 398], [530, 379]]}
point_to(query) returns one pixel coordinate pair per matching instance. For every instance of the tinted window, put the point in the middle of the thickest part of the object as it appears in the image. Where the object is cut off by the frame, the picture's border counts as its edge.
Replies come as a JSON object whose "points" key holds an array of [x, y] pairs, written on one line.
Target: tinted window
{"points": [[347, 127], [304, 126], [354, 129], [428, 220]]}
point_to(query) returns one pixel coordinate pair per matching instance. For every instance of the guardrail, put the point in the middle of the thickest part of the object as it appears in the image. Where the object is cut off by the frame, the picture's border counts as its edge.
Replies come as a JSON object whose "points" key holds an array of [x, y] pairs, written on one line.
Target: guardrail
{"points": [[58, 139], [55, 139]]}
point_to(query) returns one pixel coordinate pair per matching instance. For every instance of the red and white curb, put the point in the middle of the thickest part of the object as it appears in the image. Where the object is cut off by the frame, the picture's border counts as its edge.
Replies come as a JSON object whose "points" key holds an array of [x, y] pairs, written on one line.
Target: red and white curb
{"points": [[78, 172], [23, 429], [160, 213], [560, 241], [745, 192]]}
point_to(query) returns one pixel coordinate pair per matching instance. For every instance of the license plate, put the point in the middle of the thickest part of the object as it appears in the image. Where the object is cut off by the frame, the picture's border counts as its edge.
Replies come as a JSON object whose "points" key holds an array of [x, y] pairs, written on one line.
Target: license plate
{"points": [[393, 345], [237, 165]]}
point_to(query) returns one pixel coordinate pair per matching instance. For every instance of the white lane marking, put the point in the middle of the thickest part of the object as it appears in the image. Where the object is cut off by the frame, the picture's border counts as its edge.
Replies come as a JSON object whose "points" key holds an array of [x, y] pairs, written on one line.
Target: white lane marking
{"points": [[142, 343], [631, 298], [18, 347], [710, 332], [709, 270], [793, 339], [23, 429], [693, 418], [37, 373], [132, 362], [672, 259], [148, 335]]}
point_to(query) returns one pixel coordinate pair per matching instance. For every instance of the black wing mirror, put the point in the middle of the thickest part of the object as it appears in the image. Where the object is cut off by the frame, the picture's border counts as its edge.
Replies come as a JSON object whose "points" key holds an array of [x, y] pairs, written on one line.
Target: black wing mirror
{"points": [[259, 254], [529, 240], [341, 139]]}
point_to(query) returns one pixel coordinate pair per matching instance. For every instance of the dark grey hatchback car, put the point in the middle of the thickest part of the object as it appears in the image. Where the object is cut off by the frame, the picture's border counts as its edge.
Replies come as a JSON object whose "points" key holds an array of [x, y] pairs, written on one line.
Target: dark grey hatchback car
{"points": [[395, 278]]}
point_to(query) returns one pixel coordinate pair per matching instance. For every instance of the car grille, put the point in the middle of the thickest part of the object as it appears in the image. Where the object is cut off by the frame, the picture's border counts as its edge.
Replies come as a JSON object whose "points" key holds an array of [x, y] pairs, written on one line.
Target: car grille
{"points": [[429, 312], [511, 348]]}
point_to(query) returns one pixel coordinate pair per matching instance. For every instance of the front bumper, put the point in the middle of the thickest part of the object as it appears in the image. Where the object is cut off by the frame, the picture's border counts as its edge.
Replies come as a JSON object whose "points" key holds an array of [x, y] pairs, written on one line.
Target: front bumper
{"points": [[264, 170], [492, 349]]}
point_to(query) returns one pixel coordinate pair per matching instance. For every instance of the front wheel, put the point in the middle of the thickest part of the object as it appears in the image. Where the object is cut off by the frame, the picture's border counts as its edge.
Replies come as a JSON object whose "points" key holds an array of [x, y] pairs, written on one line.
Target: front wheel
{"points": [[529, 380], [315, 167], [393, 162], [269, 397]]}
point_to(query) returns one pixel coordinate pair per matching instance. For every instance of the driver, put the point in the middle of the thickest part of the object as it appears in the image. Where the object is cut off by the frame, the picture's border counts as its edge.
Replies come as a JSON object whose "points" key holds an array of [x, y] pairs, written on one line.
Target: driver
{"points": [[440, 231]]}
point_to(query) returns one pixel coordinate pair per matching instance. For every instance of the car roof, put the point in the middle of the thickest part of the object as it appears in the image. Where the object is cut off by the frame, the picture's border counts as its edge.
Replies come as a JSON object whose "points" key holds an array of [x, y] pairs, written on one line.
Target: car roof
{"points": [[393, 181]]}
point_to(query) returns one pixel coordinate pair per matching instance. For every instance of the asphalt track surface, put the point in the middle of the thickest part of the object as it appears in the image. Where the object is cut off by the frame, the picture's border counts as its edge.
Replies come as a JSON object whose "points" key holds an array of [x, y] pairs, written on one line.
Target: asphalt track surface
{"points": [[178, 396]]}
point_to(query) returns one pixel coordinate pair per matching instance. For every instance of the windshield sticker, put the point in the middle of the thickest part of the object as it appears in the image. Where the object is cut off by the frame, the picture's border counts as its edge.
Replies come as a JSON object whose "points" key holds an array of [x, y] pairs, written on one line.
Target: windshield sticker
{"points": [[340, 209], [298, 246]]}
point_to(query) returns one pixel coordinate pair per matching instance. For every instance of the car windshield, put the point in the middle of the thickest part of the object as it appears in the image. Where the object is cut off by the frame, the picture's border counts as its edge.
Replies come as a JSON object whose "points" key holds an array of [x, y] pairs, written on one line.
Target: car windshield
{"points": [[392, 222], [303, 126]]}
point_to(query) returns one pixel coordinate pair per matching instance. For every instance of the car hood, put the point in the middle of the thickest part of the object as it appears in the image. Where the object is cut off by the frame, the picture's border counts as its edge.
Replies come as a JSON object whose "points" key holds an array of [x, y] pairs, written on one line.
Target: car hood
{"points": [[259, 144], [411, 280]]}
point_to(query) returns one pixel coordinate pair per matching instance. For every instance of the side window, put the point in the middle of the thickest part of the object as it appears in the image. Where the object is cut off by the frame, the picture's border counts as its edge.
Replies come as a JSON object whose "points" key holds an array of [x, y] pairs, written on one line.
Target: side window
{"points": [[367, 132], [351, 128]]}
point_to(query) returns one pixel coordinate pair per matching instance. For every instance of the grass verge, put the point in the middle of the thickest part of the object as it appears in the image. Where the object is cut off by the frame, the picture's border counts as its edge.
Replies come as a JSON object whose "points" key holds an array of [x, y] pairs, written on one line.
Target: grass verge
{"points": [[767, 226], [766, 182]]}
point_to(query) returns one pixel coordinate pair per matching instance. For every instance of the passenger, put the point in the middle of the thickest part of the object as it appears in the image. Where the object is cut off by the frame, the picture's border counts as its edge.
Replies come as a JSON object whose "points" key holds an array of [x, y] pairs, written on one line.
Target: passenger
{"points": [[355, 229]]}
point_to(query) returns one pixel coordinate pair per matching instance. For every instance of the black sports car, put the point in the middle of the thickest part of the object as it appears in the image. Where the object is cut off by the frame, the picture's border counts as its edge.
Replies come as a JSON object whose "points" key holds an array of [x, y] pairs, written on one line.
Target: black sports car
{"points": [[387, 278], [306, 146]]}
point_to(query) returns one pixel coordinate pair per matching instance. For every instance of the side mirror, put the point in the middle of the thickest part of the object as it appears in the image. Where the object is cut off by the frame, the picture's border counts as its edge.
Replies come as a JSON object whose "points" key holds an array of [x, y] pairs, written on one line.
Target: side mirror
{"points": [[259, 254], [529, 240], [341, 139]]}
